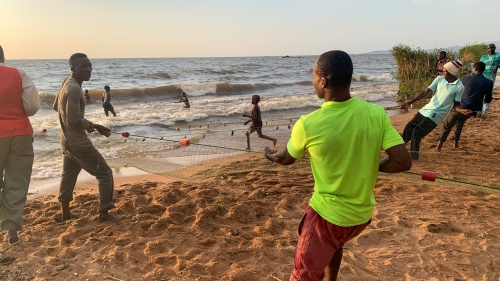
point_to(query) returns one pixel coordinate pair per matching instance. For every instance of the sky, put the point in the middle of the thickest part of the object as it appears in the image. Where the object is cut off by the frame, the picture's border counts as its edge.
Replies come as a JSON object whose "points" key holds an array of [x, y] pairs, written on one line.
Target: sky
{"points": [[55, 29]]}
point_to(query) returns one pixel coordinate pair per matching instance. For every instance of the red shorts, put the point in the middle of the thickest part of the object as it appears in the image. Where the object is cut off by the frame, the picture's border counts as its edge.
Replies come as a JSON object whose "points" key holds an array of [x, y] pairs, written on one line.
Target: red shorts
{"points": [[318, 241]]}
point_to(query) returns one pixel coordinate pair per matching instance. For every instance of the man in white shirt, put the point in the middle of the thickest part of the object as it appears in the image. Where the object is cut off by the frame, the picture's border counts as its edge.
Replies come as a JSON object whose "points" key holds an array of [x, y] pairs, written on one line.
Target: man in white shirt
{"points": [[18, 99]]}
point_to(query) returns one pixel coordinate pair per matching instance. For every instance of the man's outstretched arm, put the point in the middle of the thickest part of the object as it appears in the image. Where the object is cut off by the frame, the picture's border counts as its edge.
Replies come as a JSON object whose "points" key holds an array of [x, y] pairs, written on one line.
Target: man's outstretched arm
{"points": [[398, 160], [281, 157]]}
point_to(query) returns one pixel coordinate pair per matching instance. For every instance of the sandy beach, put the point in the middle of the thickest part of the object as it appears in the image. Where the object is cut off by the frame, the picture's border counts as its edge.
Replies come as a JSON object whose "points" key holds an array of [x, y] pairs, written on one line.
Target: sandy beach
{"points": [[241, 224]]}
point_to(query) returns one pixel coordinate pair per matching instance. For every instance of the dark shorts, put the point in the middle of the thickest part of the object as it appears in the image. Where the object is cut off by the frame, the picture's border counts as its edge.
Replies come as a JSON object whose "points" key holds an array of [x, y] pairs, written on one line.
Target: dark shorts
{"points": [[252, 129], [107, 106], [318, 241]]}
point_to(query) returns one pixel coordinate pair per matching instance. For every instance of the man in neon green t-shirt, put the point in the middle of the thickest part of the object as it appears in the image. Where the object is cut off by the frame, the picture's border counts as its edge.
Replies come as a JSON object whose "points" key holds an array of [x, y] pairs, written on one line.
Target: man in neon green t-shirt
{"points": [[344, 139]]}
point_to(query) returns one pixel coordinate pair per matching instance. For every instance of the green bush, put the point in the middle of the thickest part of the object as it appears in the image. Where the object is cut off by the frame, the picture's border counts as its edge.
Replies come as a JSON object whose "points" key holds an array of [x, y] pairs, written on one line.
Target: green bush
{"points": [[471, 54], [413, 69]]}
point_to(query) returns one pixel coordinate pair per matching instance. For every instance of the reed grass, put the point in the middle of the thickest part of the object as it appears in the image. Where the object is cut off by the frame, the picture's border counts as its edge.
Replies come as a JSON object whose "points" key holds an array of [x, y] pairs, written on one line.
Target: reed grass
{"points": [[413, 69], [471, 54]]}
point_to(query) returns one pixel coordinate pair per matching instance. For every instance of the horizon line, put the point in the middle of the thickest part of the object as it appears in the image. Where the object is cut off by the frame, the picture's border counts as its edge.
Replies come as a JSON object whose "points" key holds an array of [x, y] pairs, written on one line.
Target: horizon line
{"points": [[182, 57]]}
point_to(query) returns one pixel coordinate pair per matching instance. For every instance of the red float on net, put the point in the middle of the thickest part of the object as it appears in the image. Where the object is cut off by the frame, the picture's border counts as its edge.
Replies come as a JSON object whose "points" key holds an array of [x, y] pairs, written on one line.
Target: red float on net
{"points": [[428, 176]]}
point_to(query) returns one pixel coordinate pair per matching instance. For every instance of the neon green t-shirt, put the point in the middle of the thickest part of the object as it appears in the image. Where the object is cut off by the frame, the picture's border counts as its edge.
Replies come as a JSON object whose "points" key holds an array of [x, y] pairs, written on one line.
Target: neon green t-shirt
{"points": [[344, 140]]}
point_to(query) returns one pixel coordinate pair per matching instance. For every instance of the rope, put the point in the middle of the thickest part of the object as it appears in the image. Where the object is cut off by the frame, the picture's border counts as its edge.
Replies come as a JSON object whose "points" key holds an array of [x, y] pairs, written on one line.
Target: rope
{"points": [[305, 158], [199, 144], [459, 181], [290, 120], [457, 151], [202, 126]]}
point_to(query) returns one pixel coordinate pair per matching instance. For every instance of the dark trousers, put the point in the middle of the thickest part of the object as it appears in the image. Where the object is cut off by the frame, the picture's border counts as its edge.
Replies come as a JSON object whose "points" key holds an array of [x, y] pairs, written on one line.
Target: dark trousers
{"points": [[453, 118], [415, 131], [108, 108], [91, 161]]}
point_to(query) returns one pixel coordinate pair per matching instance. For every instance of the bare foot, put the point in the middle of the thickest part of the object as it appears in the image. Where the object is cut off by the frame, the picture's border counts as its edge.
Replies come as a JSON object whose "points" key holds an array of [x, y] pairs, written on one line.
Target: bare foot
{"points": [[274, 143], [104, 216], [439, 146]]}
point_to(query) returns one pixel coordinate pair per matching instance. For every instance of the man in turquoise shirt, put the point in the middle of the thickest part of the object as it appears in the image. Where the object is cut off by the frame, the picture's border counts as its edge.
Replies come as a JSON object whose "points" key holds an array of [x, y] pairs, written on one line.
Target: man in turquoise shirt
{"points": [[447, 90], [344, 138], [492, 61]]}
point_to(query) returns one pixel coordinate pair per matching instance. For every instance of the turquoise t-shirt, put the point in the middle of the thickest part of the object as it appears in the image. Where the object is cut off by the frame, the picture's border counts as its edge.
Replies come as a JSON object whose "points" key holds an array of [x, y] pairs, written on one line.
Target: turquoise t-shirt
{"points": [[442, 100], [491, 61], [344, 140]]}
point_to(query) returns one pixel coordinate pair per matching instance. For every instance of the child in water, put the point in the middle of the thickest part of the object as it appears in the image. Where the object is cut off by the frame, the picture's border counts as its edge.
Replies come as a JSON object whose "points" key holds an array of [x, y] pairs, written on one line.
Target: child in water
{"points": [[185, 100], [256, 120], [87, 97], [106, 101]]}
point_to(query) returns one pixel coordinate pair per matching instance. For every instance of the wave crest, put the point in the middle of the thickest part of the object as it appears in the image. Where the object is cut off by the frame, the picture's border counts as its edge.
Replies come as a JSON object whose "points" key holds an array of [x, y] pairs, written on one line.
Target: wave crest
{"points": [[159, 75], [174, 90], [224, 88]]}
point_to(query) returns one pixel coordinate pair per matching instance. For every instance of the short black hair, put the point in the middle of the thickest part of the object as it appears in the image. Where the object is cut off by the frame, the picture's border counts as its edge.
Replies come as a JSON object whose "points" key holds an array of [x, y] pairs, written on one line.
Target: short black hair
{"points": [[443, 53], [74, 57], [336, 66], [479, 66], [256, 98], [107, 88]]}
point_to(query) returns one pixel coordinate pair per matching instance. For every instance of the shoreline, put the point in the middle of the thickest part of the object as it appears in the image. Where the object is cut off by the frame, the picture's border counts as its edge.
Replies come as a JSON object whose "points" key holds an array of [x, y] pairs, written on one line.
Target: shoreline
{"points": [[123, 171], [50, 187]]}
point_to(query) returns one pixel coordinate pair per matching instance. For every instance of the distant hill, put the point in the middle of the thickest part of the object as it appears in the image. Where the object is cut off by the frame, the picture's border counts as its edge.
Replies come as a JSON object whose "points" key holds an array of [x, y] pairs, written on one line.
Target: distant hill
{"points": [[380, 52], [455, 48]]}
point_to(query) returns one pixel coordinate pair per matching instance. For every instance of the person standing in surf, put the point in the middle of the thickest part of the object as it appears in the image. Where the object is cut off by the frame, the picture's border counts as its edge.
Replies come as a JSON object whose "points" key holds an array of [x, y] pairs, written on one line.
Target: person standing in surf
{"points": [[87, 97], [106, 101], [184, 99]]}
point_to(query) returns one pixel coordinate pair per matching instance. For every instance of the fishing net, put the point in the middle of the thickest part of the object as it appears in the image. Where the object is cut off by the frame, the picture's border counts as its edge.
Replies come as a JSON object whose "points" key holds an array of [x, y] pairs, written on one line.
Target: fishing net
{"points": [[210, 145]]}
